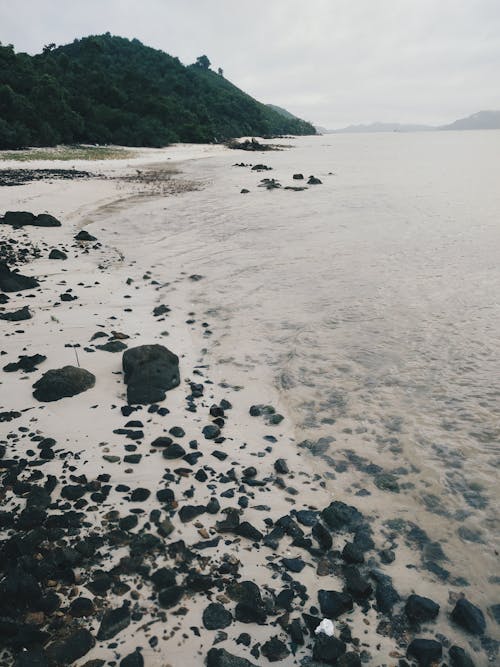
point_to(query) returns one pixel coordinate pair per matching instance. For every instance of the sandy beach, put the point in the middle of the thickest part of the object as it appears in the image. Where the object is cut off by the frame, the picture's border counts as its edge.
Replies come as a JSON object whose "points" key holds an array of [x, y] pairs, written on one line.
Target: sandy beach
{"points": [[237, 502]]}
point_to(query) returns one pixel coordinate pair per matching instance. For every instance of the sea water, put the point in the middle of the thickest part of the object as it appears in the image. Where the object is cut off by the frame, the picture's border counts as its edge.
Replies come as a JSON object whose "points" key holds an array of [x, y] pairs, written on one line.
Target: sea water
{"points": [[372, 301]]}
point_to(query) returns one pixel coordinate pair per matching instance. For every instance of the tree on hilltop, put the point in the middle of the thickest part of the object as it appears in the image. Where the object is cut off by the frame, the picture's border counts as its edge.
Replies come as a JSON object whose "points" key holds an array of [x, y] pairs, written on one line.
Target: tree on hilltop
{"points": [[203, 62]]}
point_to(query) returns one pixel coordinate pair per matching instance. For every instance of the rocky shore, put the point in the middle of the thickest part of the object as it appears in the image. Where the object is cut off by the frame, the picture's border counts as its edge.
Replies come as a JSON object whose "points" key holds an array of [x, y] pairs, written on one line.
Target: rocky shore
{"points": [[154, 513]]}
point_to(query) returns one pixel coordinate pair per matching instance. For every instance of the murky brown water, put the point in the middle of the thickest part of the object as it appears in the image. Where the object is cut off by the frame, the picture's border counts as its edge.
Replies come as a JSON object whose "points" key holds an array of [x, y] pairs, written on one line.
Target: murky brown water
{"points": [[373, 302]]}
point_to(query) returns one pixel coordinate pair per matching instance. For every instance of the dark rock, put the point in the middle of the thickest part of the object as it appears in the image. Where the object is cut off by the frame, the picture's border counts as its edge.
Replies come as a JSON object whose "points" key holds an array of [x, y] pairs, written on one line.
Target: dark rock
{"points": [[293, 564], [112, 346], [150, 371], [357, 585], [219, 657], [139, 495], [190, 512], [173, 451], [10, 281], [170, 596], [134, 659], [211, 432], [425, 651], [306, 517], [246, 613], [128, 522], [281, 467], [311, 622], [245, 529], [386, 595], [350, 659], [73, 647], [83, 235], [113, 622], [333, 604], [244, 638], [296, 632], [81, 607], [18, 218], [100, 584], [213, 506], [19, 590], [469, 617], [420, 609], [495, 612], [284, 599], [328, 649], [25, 363], [386, 481], [298, 177], [387, 556], [161, 310], [162, 441], [275, 419], [459, 658], [274, 650], [61, 382], [340, 516], [352, 554], [322, 536], [46, 220], [55, 253], [33, 657], [165, 495], [216, 616], [245, 591], [132, 458], [17, 315], [198, 582], [22, 218]]}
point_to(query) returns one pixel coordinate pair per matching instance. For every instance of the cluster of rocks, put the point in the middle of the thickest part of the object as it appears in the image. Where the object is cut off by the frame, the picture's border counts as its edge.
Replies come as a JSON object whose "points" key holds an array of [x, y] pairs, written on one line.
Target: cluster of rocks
{"points": [[23, 218], [274, 184], [10, 177], [251, 145], [59, 592]]}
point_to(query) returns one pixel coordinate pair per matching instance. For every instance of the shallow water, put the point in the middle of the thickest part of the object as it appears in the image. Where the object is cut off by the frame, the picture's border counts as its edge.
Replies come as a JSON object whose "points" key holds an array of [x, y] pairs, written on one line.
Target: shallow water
{"points": [[373, 303]]}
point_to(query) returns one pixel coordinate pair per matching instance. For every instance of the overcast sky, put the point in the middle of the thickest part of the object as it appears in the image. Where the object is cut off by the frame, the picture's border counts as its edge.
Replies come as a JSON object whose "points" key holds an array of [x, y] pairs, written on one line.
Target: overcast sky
{"points": [[333, 62]]}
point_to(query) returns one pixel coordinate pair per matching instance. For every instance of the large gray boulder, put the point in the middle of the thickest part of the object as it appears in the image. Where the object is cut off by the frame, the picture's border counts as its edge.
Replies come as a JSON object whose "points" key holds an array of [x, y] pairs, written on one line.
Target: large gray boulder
{"points": [[61, 382], [150, 371], [21, 218], [10, 281]]}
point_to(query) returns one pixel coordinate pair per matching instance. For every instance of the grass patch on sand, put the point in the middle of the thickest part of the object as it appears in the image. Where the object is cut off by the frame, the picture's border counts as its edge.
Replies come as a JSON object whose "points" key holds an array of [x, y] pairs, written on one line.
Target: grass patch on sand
{"points": [[65, 153]]}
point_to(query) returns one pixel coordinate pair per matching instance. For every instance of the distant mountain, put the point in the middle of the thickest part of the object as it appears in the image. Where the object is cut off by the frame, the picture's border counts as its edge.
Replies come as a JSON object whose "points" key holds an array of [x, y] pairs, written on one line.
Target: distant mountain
{"points": [[482, 120], [383, 127], [105, 89]]}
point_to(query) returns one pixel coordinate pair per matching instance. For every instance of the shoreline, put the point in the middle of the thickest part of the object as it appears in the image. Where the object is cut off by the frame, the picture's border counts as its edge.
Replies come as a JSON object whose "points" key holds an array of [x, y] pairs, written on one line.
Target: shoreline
{"points": [[91, 311]]}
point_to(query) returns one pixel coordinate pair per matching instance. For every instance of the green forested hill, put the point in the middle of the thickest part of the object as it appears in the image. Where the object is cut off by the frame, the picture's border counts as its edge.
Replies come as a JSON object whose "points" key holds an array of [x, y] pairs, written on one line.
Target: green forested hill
{"points": [[105, 89]]}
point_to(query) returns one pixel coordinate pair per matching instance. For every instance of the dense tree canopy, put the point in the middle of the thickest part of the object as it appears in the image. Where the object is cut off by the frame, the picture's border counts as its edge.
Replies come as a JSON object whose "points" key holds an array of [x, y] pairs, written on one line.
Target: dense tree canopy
{"points": [[105, 89]]}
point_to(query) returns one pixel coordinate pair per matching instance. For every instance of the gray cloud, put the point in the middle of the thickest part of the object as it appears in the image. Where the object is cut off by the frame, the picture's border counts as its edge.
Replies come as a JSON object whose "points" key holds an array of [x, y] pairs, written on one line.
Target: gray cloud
{"points": [[330, 61]]}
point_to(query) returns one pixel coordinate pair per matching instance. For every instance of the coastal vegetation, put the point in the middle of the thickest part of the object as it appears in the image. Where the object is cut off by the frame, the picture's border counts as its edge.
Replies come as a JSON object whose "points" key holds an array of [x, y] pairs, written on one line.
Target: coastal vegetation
{"points": [[110, 90]]}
